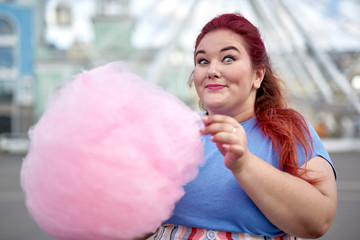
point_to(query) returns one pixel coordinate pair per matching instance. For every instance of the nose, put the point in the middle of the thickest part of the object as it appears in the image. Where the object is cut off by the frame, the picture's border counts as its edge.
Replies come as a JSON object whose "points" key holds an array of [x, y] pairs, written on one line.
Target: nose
{"points": [[213, 70]]}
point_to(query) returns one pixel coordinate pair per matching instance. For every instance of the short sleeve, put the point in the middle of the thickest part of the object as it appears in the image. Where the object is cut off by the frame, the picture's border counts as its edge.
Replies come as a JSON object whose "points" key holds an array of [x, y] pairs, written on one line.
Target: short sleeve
{"points": [[318, 149]]}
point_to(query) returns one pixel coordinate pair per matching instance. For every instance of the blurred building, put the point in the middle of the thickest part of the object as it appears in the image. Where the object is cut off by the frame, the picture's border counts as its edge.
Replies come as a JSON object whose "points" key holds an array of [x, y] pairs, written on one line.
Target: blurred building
{"points": [[16, 67], [73, 42], [62, 50], [314, 46]]}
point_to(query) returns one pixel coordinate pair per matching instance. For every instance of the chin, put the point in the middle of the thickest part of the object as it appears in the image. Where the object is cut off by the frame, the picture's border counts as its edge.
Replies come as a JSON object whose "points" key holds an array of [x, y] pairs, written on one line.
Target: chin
{"points": [[218, 109]]}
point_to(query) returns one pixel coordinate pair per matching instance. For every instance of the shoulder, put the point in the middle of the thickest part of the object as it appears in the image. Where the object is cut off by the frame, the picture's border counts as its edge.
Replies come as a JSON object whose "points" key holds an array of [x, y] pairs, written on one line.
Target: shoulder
{"points": [[318, 148]]}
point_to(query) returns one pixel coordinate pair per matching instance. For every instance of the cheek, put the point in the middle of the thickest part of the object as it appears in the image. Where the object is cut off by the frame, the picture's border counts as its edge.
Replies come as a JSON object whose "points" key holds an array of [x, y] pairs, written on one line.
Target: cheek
{"points": [[198, 79], [198, 84], [240, 77], [198, 88]]}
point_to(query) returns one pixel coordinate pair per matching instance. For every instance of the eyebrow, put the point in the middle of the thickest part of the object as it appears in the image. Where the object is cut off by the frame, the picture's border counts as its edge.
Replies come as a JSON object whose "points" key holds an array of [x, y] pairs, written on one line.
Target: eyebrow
{"points": [[222, 50], [229, 48]]}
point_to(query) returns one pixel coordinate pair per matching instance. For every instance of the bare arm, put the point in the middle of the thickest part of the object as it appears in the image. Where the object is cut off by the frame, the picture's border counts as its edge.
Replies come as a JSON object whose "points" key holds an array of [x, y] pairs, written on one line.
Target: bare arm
{"points": [[291, 203]]}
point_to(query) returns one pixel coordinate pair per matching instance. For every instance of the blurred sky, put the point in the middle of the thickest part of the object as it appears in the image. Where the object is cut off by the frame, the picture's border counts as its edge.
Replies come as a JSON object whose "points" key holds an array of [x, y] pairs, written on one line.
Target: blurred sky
{"points": [[156, 19], [151, 15], [334, 23]]}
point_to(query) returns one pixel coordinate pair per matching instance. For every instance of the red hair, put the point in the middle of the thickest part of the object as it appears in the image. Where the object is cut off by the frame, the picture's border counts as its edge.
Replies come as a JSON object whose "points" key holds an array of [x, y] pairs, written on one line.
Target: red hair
{"points": [[286, 128]]}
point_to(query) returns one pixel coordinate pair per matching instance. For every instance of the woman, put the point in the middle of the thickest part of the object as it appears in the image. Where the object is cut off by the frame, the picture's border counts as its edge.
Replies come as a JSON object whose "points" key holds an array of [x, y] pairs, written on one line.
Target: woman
{"points": [[266, 173]]}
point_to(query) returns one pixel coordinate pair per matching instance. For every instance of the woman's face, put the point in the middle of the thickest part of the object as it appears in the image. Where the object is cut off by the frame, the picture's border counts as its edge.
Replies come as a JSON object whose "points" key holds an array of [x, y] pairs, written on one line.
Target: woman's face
{"points": [[223, 76]]}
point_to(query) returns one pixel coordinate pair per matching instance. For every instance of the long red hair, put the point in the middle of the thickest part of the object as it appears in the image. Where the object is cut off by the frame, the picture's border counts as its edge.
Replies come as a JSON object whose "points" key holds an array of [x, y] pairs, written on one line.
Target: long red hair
{"points": [[286, 127]]}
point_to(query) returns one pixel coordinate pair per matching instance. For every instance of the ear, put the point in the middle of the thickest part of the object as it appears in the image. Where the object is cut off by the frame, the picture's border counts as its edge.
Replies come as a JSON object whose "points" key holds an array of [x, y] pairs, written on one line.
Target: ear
{"points": [[259, 76]]}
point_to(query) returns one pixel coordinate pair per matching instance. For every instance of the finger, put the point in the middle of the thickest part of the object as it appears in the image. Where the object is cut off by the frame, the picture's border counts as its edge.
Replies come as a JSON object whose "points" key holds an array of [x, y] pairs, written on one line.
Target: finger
{"points": [[218, 127], [234, 148], [225, 138], [219, 119], [238, 138], [218, 123]]}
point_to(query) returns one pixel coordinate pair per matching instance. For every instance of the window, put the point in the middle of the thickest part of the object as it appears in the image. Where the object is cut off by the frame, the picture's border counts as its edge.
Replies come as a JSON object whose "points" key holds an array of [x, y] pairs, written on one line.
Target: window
{"points": [[8, 45], [6, 57], [63, 15], [5, 27]]}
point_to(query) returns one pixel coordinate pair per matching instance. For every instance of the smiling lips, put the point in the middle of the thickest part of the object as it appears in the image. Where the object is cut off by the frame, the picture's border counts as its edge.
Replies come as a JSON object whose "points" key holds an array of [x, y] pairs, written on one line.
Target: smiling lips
{"points": [[214, 86]]}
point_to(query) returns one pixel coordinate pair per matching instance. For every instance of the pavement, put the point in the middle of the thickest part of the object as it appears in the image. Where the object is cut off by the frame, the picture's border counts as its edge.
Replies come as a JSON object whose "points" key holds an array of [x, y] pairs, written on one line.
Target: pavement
{"points": [[16, 223]]}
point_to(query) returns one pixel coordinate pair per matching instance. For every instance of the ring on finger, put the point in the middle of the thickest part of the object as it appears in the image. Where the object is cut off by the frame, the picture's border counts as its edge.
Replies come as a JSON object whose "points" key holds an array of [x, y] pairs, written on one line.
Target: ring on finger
{"points": [[234, 130]]}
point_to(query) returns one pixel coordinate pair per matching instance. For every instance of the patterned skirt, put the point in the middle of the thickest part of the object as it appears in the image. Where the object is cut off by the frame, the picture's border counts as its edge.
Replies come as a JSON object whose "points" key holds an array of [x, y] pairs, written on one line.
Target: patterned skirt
{"points": [[176, 232]]}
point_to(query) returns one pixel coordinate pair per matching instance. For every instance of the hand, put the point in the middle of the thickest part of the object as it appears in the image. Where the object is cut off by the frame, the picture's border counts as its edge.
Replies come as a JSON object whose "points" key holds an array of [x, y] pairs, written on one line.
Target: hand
{"points": [[230, 139]]}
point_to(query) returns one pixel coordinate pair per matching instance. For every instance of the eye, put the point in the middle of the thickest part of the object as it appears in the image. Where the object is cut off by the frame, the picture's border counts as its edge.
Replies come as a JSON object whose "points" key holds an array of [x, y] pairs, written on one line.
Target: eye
{"points": [[202, 61], [229, 59]]}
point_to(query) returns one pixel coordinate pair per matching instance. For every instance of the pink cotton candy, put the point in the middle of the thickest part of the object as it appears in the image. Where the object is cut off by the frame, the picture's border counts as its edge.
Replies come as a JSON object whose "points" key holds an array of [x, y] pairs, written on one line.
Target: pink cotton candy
{"points": [[109, 157]]}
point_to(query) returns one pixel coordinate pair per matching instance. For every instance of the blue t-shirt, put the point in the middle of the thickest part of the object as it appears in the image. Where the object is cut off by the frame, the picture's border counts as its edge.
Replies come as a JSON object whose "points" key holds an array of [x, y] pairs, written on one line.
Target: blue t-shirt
{"points": [[215, 200]]}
